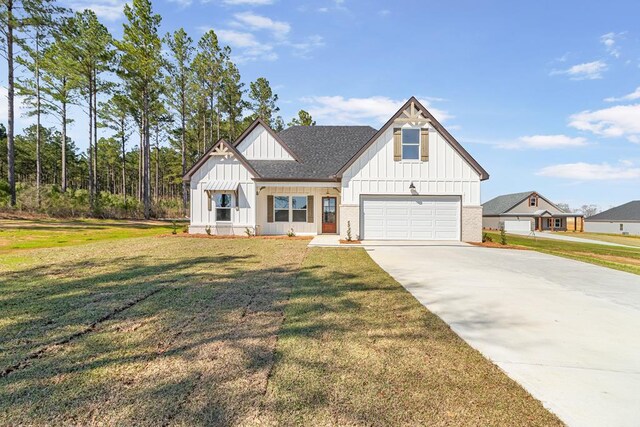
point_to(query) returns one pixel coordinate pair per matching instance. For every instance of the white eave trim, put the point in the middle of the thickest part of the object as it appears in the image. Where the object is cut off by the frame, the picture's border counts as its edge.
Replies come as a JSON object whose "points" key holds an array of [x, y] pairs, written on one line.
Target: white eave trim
{"points": [[298, 184]]}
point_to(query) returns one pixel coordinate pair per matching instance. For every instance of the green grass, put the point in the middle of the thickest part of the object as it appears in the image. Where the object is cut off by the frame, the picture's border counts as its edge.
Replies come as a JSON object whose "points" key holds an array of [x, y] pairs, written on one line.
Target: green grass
{"points": [[619, 258], [184, 331], [611, 238], [33, 234]]}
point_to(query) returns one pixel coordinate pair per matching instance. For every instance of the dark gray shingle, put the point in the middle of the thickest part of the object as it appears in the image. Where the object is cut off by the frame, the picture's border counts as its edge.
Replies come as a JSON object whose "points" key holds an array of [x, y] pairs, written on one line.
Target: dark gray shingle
{"points": [[323, 150], [501, 204], [627, 212]]}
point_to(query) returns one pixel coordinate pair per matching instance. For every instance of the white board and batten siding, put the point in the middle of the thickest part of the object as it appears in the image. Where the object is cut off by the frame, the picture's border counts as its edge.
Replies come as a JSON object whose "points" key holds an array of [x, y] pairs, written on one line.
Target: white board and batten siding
{"points": [[218, 168], [445, 173], [261, 145]]}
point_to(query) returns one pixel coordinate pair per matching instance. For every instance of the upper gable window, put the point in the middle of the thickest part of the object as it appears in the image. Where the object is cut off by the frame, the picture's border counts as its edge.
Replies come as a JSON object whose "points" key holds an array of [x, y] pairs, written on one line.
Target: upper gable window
{"points": [[533, 200], [411, 144]]}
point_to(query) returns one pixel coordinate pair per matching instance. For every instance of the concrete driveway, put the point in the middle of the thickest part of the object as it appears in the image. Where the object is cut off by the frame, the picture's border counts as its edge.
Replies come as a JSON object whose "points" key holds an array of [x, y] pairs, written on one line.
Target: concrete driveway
{"points": [[569, 332]]}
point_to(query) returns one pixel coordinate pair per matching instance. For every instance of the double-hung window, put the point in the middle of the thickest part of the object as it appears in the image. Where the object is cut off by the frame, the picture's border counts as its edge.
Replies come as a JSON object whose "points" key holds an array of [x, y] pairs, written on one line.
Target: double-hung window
{"points": [[557, 222], [281, 208], [223, 206], [290, 209], [410, 144], [299, 208]]}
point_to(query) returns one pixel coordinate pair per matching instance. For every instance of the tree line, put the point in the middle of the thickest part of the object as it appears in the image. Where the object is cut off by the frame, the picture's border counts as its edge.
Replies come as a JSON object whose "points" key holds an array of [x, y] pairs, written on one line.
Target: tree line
{"points": [[174, 96]]}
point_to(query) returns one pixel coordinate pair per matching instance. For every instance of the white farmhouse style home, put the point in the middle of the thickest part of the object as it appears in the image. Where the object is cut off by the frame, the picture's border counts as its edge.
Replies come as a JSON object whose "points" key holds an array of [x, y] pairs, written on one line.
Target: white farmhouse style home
{"points": [[410, 180]]}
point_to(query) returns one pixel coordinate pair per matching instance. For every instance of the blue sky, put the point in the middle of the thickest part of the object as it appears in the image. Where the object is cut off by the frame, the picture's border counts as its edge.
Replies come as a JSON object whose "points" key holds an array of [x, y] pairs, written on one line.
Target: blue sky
{"points": [[545, 95]]}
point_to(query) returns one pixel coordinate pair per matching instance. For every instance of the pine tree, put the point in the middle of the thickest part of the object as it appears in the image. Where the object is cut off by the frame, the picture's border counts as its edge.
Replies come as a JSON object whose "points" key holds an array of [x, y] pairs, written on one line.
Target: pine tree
{"points": [[264, 100], [140, 65], [177, 82], [89, 44], [115, 115], [231, 99], [303, 119]]}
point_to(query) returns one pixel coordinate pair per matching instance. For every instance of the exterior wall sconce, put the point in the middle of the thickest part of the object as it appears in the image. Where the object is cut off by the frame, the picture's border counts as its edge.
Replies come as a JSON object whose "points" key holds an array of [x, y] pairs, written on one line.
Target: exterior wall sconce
{"points": [[412, 187]]}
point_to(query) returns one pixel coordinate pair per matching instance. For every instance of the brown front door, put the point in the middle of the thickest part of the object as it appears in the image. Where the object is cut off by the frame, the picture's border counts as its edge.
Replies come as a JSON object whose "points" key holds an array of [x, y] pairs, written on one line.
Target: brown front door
{"points": [[329, 210]]}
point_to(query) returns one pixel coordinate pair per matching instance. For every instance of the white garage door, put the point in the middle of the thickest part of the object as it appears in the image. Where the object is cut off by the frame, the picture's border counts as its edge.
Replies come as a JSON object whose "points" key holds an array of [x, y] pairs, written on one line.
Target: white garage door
{"points": [[411, 218], [517, 225]]}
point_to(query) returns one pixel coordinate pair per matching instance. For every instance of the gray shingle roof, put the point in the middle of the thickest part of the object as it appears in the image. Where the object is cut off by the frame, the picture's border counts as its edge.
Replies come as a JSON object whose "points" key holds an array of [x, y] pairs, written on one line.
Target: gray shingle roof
{"points": [[501, 204], [323, 150], [627, 212]]}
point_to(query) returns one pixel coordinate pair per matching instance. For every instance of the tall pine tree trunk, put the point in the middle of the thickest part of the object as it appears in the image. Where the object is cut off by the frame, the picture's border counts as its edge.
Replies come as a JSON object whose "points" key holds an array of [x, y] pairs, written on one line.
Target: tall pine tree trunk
{"points": [[38, 132], [183, 149], [90, 158], [124, 162], [157, 184], [140, 158], [63, 145], [11, 171], [95, 133], [147, 152]]}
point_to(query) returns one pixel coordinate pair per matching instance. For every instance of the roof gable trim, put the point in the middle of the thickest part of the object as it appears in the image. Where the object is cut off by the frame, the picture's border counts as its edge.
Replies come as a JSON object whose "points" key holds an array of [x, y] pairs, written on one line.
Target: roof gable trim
{"points": [[411, 104], [223, 148], [259, 121]]}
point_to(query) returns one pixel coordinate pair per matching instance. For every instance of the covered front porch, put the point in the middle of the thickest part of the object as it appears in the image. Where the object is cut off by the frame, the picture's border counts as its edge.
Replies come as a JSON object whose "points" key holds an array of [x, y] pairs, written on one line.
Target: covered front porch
{"points": [[297, 207], [547, 221]]}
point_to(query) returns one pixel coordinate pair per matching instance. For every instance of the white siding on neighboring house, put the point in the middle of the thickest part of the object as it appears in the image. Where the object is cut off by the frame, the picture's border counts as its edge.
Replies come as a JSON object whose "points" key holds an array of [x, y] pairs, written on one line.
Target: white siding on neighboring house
{"points": [[445, 173], [260, 145], [218, 168], [613, 227]]}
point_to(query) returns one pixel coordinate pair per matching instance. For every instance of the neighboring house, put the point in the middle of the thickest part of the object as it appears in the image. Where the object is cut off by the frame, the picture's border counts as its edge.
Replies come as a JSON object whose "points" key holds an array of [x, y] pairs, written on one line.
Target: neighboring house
{"points": [[410, 180], [528, 211], [624, 219]]}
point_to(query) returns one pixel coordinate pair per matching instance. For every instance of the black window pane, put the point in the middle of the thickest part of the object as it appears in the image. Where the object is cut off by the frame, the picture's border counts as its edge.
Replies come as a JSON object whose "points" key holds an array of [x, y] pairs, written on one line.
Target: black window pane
{"points": [[223, 214], [299, 216], [410, 136], [223, 200], [281, 202], [410, 152], [282, 215]]}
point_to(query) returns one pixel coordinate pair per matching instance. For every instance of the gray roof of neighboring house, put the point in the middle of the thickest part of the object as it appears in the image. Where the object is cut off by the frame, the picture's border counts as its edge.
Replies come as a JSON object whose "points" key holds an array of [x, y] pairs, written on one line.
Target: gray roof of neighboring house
{"points": [[501, 204], [322, 151], [627, 212]]}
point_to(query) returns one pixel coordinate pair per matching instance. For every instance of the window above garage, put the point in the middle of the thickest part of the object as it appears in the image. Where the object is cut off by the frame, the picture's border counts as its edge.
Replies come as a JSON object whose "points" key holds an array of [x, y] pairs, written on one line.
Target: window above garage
{"points": [[410, 144]]}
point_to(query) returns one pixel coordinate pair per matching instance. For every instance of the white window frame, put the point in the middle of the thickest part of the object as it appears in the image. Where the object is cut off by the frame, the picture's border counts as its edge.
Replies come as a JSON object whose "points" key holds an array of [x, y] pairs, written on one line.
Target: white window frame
{"points": [[306, 209], [288, 209], [230, 208], [557, 222], [402, 143]]}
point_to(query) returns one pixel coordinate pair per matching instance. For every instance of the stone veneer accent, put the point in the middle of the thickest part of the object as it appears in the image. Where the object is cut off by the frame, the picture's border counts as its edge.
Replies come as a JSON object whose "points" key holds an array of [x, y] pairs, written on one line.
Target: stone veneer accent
{"points": [[471, 223]]}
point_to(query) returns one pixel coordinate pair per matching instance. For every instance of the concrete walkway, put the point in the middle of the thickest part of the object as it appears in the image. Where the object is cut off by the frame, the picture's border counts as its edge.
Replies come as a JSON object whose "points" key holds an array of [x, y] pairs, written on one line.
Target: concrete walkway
{"points": [[556, 236], [567, 331]]}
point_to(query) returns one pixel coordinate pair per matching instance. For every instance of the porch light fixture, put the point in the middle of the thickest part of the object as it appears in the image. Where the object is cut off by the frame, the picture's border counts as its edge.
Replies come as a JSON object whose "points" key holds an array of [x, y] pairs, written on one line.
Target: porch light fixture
{"points": [[412, 187]]}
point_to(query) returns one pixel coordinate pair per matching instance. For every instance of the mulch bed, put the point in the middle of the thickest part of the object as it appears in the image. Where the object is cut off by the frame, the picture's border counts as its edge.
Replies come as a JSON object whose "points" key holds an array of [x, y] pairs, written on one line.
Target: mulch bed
{"points": [[206, 236], [498, 245]]}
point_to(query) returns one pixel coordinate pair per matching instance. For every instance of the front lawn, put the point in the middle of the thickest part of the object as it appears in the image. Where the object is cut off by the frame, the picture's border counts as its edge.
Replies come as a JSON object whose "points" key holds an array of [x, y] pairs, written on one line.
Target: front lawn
{"points": [[173, 330], [32, 234], [619, 258]]}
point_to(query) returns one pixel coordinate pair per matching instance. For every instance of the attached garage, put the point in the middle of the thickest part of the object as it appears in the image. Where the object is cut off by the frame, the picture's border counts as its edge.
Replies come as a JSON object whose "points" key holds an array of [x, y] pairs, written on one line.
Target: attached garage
{"points": [[389, 217], [515, 225]]}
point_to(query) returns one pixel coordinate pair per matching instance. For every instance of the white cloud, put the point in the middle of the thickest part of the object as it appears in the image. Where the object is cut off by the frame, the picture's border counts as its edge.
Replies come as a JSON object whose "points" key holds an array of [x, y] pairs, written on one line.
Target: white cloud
{"points": [[249, 47], [109, 10], [628, 97], [304, 48], [384, 12], [371, 110], [609, 41], [182, 3], [618, 121], [251, 21], [544, 142], [323, 9], [586, 71], [591, 171]]}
